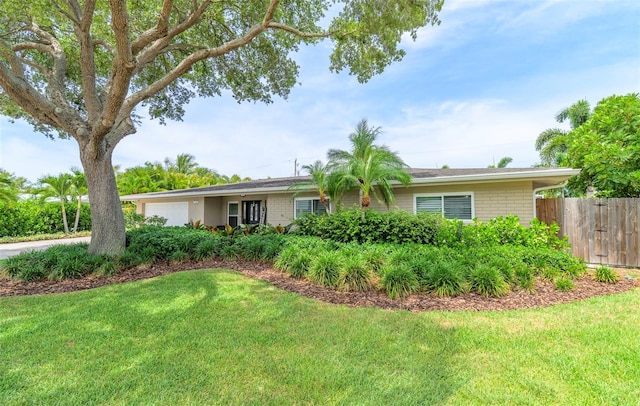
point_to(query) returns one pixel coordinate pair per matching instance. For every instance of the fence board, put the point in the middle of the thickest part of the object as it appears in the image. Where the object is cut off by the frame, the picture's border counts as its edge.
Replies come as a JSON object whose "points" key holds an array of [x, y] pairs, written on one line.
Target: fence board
{"points": [[601, 231]]}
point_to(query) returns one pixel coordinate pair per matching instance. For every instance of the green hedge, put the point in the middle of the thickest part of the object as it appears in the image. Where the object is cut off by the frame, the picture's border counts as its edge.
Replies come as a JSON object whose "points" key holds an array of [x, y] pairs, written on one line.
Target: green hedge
{"points": [[402, 227], [372, 227], [31, 218]]}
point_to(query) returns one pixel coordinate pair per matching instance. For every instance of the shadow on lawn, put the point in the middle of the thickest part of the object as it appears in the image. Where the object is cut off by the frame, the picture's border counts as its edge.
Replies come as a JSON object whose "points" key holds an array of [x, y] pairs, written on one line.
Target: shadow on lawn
{"points": [[217, 337]]}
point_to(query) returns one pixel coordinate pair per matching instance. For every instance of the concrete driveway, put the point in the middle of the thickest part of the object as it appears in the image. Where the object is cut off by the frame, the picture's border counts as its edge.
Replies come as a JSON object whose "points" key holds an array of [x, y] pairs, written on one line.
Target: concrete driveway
{"points": [[11, 249]]}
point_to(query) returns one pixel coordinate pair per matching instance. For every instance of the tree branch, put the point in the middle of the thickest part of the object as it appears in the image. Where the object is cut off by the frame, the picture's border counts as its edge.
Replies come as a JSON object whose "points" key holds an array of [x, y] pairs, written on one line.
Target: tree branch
{"points": [[56, 82], [299, 33], [152, 34], [30, 100], [87, 56], [14, 61], [157, 47], [121, 68]]}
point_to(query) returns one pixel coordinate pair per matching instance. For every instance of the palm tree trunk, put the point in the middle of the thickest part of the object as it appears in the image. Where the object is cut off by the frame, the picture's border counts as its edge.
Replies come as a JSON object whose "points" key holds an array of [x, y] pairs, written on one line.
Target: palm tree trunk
{"points": [[75, 225], [64, 218]]}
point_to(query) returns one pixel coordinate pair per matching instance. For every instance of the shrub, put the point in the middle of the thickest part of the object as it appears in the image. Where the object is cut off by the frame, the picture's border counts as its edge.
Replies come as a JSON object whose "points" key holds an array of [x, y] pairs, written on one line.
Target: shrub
{"points": [[372, 227], [488, 281], [606, 275], [286, 257], [205, 249], [564, 284], [109, 267], [179, 256], [300, 265], [25, 266], [259, 247], [399, 281], [355, 275], [325, 268], [445, 279], [129, 259], [525, 278]]}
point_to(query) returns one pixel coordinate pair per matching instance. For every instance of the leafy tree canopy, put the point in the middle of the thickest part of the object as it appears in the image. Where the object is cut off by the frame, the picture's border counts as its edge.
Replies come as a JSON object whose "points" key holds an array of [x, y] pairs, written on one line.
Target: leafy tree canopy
{"points": [[80, 69], [607, 147], [183, 173]]}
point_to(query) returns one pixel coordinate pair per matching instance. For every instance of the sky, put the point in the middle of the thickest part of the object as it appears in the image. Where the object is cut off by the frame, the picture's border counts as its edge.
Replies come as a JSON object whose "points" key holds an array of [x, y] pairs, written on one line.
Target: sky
{"points": [[480, 86]]}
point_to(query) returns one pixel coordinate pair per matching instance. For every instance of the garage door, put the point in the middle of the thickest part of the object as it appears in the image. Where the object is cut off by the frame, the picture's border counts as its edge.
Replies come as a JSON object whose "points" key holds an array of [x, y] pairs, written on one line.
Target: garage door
{"points": [[177, 214]]}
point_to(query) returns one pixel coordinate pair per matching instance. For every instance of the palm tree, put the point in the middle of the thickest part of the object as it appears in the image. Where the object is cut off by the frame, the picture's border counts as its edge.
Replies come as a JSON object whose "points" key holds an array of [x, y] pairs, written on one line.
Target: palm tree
{"points": [[8, 187], [369, 167], [502, 163], [78, 189], [552, 142], [318, 182], [58, 187], [185, 164]]}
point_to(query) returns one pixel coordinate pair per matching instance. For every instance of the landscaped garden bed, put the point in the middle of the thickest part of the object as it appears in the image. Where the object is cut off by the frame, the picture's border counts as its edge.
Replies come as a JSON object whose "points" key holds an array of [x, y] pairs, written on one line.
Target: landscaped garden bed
{"points": [[445, 266]]}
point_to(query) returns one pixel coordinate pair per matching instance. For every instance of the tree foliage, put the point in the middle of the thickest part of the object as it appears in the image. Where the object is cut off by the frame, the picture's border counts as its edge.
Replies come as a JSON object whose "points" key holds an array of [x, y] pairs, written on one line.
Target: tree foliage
{"points": [[183, 173], [552, 142], [607, 147], [10, 186], [81, 69]]}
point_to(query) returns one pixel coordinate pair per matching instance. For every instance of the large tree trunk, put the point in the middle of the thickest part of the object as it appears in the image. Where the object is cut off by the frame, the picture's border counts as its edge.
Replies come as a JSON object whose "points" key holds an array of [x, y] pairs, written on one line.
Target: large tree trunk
{"points": [[107, 221]]}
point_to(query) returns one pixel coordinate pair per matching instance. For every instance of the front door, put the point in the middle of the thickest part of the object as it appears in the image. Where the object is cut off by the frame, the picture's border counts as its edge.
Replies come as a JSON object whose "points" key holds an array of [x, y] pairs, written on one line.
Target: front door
{"points": [[251, 211]]}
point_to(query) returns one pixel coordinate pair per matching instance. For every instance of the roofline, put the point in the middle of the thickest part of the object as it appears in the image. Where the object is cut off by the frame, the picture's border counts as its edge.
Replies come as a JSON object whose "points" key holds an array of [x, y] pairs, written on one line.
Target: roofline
{"points": [[480, 178], [497, 176]]}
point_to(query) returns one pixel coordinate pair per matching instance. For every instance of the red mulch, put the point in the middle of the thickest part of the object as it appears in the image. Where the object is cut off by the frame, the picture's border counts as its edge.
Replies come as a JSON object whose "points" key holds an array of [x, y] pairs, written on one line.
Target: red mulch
{"points": [[545, 294]]}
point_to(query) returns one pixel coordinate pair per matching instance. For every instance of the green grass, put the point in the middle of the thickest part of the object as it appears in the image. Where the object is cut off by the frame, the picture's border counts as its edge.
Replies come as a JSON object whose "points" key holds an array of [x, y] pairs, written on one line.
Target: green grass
{"points": [[40, 237], [216, 337]]}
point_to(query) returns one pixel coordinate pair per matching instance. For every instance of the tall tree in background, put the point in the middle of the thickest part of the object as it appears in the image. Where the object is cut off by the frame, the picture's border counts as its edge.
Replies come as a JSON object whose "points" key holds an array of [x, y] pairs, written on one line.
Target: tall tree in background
{"points": [[184, 164], [80, 69], [368, 167], [502, 163], [552, 143], [183, 173], [607, 147]]}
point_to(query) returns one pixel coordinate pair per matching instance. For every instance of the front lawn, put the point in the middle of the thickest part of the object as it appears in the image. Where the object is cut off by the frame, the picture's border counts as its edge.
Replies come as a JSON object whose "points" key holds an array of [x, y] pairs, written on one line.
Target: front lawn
{"points": [[216, 337]]}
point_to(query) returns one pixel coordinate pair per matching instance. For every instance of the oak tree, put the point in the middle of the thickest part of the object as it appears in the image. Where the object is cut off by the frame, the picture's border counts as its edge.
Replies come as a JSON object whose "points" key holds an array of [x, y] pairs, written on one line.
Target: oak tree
{"points": [[81, 68]]}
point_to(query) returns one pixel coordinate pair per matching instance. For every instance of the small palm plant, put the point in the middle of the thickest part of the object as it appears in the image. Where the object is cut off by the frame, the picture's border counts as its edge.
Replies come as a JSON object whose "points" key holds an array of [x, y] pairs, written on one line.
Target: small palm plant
{"points": [[369, 167], [60, 188], [317, 182]]}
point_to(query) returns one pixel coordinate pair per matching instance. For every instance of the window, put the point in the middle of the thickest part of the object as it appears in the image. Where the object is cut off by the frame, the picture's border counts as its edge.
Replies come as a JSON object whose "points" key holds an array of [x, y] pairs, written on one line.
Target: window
{"points": [[450, 206], [304, 206], [233, 214]]}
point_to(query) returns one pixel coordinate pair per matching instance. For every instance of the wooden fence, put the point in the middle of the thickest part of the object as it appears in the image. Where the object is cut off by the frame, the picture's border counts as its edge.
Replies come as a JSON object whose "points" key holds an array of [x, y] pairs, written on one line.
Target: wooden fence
{"points": [[601, 231]]}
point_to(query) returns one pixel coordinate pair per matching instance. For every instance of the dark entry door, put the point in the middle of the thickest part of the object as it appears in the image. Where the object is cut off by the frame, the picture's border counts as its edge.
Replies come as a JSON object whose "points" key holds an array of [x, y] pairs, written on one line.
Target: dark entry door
{"points": [[251, 211]]}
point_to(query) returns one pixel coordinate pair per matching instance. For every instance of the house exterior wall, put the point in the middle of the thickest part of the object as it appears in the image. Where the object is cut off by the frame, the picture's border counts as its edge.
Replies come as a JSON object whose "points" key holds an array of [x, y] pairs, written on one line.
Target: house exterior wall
{"points": [[279, 209], [213, 211], [490, 200]]}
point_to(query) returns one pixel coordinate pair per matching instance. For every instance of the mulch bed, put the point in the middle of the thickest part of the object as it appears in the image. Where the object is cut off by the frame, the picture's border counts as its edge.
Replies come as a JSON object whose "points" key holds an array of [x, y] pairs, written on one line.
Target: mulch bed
{"points": [[545, 294]]}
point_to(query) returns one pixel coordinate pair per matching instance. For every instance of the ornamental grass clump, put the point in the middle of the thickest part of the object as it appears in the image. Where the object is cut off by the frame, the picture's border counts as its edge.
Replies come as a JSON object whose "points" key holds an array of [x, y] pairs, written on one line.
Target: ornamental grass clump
{"points": [[355, 275], [564, 283], [445, 279], [488, 281], [399, 281], [606, 275], [325, 268]]}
